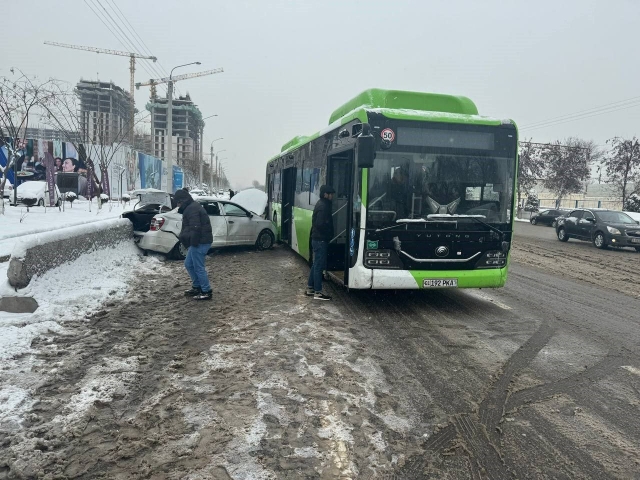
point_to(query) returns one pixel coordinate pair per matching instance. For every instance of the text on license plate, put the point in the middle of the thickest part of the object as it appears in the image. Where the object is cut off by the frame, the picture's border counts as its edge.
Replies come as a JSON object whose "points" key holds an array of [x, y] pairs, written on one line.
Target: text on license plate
{"points": [[635, 240], [439, 282]]}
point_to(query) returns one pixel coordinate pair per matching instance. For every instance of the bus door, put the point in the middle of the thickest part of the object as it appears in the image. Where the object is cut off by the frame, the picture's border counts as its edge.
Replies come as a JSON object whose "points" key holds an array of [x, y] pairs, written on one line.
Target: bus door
{"points": [[340, 177], [288, 196]]}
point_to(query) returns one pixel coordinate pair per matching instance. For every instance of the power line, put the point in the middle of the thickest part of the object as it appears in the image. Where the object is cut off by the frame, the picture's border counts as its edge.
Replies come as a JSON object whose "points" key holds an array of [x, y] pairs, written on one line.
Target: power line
{"points": [[125, 36], [120, 40], [135, 36], [592, 112]]}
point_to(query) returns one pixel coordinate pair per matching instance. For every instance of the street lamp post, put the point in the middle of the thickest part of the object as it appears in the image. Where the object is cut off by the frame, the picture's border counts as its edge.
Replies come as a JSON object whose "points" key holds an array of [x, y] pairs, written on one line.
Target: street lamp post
{"points": [[211, 164], [201, 148], [217, 172], [169, 150]]}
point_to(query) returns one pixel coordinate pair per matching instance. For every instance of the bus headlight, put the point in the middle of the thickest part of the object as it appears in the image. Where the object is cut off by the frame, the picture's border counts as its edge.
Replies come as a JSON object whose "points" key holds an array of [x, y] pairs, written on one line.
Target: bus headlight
{"points": [[381, 259], [492, 259]]}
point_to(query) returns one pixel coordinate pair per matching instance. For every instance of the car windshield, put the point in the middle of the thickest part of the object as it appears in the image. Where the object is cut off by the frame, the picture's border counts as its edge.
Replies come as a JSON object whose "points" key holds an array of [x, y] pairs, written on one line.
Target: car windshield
{"points": [[419, 185], [615, 217]]}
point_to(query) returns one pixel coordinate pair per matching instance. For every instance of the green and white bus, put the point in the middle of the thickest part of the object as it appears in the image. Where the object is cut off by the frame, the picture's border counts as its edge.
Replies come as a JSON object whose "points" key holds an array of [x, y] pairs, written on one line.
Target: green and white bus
{"points": [[424, 191]]}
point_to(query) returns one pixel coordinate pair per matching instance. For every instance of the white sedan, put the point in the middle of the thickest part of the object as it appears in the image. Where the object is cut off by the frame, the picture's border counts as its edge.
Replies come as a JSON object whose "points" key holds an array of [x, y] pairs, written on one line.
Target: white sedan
{"points": [[231, 224]]}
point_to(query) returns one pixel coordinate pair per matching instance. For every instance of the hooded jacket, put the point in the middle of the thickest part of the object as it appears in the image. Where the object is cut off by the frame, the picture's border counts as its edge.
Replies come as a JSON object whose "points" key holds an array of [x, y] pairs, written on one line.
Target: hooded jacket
{"points": [[196, 226], [322, 221]]}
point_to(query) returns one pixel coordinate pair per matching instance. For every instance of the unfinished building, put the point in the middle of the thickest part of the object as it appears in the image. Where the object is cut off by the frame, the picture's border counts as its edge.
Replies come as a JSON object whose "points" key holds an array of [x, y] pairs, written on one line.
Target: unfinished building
{"points": [[186, 128], [104, 112]]}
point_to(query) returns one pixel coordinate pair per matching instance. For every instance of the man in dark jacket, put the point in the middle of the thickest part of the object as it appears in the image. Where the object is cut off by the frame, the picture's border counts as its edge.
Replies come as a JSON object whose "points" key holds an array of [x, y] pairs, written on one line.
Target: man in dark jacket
{"points": [[321, 235], [197, 236]]}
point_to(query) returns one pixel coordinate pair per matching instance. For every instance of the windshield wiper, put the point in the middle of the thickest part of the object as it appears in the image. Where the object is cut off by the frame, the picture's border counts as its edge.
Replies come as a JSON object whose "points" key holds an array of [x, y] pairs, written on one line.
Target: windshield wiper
{"points": [[472, 217]]}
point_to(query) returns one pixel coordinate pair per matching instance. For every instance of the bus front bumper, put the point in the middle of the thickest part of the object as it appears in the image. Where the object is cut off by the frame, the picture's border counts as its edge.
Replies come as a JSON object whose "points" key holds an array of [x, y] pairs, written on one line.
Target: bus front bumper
{"points": [[414, 279]]}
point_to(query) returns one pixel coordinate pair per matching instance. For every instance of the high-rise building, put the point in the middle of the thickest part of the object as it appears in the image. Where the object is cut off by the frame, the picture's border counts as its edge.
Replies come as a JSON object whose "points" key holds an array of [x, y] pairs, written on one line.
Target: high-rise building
{"points": [[104, 112], [187, 128]]}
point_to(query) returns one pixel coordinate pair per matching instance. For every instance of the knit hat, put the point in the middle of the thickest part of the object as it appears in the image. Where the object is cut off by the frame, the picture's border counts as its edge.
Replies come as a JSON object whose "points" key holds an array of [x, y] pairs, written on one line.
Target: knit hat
{"points": [[181, 196]]}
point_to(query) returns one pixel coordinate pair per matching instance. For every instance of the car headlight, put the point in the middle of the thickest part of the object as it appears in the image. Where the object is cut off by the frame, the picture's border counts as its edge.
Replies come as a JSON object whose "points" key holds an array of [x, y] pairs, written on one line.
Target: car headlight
{"points": [[613, 231]]}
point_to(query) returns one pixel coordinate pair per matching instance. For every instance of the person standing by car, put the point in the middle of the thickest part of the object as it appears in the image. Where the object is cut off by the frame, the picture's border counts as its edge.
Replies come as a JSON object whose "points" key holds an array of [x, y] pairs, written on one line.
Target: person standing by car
{"points": [[197, 236], [321, 235]]}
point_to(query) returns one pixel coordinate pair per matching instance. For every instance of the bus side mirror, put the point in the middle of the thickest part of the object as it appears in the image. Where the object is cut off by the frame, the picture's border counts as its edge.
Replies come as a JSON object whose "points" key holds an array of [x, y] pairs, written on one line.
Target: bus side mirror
{"points": [[365, 145]]}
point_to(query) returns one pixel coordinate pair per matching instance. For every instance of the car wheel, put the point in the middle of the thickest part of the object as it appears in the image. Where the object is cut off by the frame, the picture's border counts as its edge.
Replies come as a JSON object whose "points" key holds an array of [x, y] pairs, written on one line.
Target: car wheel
{"points": [[41, 202], [179, 252], [599, 241], [562, 235], [637, 249], [265, 240], [534, 221], [554, 224]]}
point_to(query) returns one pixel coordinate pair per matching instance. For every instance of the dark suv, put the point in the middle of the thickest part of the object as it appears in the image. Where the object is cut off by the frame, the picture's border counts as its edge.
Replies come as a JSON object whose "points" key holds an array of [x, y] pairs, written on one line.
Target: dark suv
{"points": [[605, 228], [547, 216]]}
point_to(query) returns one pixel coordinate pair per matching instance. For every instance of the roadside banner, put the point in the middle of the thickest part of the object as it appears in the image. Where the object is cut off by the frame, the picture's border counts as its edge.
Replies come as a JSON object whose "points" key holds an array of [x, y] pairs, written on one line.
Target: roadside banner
{"points": [[49, 164], [178, 177], [105, 180]]}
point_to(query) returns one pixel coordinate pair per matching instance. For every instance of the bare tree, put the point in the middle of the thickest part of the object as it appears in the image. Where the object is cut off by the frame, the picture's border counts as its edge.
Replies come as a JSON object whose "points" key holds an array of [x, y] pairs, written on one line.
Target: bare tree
{"points": [[20, 98], [530, 168], [622, 165], [567, 165], [96, 149]]}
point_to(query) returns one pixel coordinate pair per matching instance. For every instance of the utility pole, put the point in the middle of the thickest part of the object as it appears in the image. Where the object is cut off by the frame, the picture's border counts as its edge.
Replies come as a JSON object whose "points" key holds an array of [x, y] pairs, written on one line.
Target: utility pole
{"points": [[169, 149]]}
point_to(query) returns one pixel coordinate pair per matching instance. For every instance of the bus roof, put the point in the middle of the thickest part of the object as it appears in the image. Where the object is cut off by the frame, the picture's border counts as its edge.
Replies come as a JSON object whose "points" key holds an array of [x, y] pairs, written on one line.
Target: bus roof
{"points": [[399, 104]]}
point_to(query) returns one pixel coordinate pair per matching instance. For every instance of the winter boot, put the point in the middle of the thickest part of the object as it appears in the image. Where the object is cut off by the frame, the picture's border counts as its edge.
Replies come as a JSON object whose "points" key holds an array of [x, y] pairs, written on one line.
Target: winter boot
{"points": [[204, 295], [192, 292]]}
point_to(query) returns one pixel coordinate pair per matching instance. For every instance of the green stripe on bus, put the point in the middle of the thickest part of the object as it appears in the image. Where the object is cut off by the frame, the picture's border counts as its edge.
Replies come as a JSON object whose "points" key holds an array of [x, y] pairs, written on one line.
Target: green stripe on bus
{"points": [[302, 218], [487, 278]]}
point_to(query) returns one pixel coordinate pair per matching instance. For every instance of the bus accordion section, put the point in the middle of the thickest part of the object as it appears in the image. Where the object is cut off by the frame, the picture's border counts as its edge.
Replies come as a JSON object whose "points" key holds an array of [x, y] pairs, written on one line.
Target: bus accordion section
{"points": [[425, 192]]}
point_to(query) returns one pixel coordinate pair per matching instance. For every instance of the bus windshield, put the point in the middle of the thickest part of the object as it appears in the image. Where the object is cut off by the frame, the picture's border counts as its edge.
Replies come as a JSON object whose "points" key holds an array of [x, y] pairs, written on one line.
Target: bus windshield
{"points": [[422, 186]]}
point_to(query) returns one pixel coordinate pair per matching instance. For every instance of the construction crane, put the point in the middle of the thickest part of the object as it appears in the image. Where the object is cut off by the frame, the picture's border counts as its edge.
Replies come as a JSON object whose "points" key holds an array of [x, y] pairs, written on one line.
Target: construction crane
{"points": [[132, 68], [153, 82], [169, 134]]}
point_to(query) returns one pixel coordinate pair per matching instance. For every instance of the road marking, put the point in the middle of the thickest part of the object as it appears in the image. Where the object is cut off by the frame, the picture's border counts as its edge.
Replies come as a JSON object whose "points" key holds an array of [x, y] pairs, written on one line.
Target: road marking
{"points": [[634, 370], [483, 296]]}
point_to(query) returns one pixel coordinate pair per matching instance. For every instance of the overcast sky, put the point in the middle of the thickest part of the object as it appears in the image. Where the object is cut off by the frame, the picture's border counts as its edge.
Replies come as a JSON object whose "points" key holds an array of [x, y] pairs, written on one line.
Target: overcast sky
{"points": [[289, 64]]}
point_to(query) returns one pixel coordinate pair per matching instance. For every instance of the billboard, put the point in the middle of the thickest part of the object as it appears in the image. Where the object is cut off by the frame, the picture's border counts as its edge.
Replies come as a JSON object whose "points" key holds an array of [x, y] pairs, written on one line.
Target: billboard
{"points": [[150, 171]]}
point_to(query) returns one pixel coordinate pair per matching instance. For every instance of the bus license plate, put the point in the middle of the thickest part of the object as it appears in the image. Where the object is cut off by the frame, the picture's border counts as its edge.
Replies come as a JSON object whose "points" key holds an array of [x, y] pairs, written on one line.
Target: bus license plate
{"points": [[440, 282]]}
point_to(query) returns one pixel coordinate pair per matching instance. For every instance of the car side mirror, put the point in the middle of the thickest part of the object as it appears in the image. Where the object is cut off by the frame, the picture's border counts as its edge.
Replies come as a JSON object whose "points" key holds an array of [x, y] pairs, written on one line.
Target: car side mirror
{"points": [[365, 147], [590, 220]]}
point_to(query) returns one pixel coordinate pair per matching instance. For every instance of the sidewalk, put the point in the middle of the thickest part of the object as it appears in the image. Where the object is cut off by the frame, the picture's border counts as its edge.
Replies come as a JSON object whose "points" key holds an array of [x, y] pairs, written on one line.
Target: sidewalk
{"points": [[16, 223]]}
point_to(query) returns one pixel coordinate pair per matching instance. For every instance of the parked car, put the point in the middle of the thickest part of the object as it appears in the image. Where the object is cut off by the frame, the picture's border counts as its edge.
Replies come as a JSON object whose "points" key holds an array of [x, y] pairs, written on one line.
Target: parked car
{"points": [[196, 192], [149, 203], [547, 217], [605, 228], [231, 222], [38, 190]]}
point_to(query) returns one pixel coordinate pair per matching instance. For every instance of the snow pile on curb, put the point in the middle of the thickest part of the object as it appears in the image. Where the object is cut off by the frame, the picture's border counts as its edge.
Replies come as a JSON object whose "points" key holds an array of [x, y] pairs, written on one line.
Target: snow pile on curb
{"points": [[65, 294]]}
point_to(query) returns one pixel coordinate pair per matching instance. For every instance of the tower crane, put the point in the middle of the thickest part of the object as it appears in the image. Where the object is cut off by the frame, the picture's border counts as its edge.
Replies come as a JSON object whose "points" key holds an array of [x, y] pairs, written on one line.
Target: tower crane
{"points": [[132, 68], [153, 82]]}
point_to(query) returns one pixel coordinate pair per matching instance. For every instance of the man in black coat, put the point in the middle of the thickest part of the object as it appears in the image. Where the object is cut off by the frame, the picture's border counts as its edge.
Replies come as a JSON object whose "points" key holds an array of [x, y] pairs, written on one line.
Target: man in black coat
{"points": [[197, 236], [321, 235]]}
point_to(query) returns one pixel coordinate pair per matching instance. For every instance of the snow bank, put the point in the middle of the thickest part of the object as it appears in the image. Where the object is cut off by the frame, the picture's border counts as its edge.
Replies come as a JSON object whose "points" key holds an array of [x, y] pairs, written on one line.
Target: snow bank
{"points": [[36, 254]]}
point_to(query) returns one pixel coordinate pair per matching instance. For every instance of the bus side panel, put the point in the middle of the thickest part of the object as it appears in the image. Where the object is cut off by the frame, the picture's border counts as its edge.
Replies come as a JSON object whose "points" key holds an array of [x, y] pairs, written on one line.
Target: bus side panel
{"points": [[302, 224], [276, 218]]}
